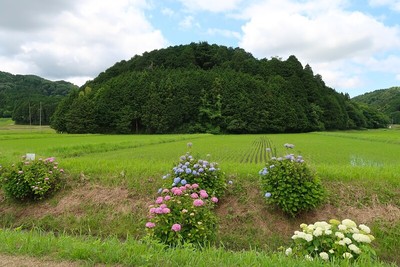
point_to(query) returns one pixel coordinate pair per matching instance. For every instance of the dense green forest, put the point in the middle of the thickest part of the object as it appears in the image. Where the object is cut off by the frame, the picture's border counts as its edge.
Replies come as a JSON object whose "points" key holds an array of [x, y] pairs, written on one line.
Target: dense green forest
{"points": [[209, 88], [385, 100], [30, 99]]}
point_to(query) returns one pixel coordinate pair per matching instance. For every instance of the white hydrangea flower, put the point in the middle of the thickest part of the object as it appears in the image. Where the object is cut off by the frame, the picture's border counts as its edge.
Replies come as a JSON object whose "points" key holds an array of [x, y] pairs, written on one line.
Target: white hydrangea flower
{"points": [[339, 234], [349, 223], [288, 251], [361, 238], [342, 243], [324, 256], [342, 227], [323, 225], [355, 249], [331, 251], [308, 237], [303, 226], [347, 255], [328, 232], [365, 228], [311, 227], [317, 232], [308, 257], [347, 240], [354, 230]]}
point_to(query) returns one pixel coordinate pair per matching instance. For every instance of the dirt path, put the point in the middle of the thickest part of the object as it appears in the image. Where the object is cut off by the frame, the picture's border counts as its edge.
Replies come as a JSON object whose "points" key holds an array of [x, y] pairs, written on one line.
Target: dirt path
{"points": [[26, 261]]}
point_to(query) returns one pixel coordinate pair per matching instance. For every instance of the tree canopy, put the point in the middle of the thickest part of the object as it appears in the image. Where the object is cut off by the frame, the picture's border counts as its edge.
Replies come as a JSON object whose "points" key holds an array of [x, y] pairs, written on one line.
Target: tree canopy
{"points": [[384, 100], [209, 88], [30, 99]]}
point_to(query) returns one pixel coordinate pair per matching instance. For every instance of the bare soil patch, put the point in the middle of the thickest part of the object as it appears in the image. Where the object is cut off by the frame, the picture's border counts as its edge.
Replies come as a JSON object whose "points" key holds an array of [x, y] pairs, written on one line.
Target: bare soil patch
{"points": [[25, 261]]}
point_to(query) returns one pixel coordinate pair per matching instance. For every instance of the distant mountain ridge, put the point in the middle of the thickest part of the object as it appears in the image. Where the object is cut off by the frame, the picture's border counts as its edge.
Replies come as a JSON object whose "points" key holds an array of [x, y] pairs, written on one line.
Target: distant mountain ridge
{"points": [[384, 100], [29, 98]]}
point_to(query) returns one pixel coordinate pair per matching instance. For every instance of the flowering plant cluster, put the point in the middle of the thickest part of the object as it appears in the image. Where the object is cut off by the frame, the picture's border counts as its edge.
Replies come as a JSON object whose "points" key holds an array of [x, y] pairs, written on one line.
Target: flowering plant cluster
{"points": [[192, 171], [290, 184], [183, 215], [35, 179], [339, 240]]}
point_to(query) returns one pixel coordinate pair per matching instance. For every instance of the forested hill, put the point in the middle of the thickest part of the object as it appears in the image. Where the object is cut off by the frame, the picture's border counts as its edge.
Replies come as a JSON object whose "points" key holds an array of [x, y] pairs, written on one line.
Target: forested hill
{"points": [[385, 100], [21, 97], [209, 88]]}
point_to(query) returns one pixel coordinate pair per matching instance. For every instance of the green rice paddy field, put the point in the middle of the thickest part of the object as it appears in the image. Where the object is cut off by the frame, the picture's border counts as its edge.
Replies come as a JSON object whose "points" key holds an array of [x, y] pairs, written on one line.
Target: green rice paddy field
{"points": [[112, 179]]}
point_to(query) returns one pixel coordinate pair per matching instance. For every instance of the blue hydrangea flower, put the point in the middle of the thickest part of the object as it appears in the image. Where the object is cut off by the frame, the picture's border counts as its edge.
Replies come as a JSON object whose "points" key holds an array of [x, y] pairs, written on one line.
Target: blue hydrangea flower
{"points": [[211, 169], [194, 172], [177, 180], [201, 170], [267, 195], [183, 182], [188, 171], [159, 190], [264, 171]]}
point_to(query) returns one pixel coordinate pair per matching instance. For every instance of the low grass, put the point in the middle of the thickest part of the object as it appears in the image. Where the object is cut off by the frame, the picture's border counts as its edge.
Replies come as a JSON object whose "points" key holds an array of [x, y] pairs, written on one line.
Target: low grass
{"points": [[90, 251], [113, 178]]}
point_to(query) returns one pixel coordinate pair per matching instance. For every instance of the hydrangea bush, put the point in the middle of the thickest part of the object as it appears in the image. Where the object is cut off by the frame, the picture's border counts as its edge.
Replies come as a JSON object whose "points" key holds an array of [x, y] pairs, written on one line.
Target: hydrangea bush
{"points": [[197, 171], [31, 180], [290, 184], [183, 215], [333, 240]]}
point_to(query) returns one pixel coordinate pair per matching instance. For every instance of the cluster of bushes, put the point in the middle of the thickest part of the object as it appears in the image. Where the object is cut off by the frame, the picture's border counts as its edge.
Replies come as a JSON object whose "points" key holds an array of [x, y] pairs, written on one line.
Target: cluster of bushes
{"points": [[183, 210]]}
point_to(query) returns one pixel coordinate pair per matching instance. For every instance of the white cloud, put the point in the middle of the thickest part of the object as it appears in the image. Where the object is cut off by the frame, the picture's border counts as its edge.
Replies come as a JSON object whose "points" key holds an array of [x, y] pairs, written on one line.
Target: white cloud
{"points": [[224, 33], [81, 41], [168, 12], [324, 34], [392, 4], [398, 77], [188, 22], [211, 5]]}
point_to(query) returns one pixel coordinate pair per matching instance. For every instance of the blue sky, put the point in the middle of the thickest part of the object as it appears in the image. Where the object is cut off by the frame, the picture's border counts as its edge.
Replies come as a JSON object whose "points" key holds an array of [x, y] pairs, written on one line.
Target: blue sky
{"points": [[354, 45]]}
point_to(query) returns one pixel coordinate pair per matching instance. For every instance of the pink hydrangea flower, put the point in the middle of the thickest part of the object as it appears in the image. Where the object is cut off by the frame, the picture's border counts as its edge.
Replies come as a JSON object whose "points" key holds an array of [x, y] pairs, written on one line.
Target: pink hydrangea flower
{"points": [[150, 225], [163, 206], [194, 195], [166, 190], [188, 186], [194, 186], [158, 210], [214, 199], [159, 200], [203, 194], [166, 210], [198, 203], [176, 227], [178, 192], [166, 198], [153, 210]]}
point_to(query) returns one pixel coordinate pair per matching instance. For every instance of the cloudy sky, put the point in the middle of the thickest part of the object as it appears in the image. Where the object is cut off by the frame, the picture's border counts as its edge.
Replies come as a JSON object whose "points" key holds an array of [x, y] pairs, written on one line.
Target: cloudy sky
{"points": [[354, 45]]}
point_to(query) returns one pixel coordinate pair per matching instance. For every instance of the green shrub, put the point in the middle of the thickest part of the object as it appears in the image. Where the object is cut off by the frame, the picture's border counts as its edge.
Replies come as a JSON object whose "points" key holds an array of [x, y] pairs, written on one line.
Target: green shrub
{"points": [[192, 171], [183, 215], [333, 240], [290, 184], [31, 180]]}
